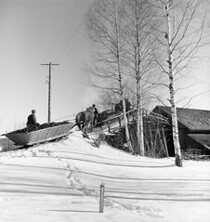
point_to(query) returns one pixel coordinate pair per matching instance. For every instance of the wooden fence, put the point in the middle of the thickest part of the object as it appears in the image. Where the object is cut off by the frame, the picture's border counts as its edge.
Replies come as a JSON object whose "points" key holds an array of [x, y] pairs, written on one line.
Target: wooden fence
{"points": [[116, 121]]}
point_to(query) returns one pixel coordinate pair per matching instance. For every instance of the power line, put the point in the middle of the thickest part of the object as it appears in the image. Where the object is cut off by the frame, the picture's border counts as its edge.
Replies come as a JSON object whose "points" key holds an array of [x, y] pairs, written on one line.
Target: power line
{"points": [[64, 117], [70, 40], [67, 44]]}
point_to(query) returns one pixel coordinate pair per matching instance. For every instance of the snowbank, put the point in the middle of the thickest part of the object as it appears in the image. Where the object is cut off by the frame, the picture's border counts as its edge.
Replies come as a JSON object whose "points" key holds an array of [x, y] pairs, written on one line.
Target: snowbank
{"points": [[60, 182]]}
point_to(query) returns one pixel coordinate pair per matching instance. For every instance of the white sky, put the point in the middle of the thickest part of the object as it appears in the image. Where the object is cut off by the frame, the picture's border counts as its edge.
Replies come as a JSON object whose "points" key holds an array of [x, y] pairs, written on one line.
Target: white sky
{"points": [[43, 31], [35, 32]]}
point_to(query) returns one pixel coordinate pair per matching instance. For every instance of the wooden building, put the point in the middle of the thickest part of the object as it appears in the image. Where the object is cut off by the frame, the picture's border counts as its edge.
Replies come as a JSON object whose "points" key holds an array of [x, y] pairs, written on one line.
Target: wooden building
{"points": [[194, 129]]}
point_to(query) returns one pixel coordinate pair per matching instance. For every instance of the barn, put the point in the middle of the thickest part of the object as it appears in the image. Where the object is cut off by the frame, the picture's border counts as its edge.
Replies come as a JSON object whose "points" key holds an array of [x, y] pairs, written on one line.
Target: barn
{"points": [[194, 129]]}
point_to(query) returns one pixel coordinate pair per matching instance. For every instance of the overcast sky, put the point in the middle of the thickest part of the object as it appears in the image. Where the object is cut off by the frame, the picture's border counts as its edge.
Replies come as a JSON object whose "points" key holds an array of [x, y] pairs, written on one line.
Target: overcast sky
{"points": [[33, 32]]}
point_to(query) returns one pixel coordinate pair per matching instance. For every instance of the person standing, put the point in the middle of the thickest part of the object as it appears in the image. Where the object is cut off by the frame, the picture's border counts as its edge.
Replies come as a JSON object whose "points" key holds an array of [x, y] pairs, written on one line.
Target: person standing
{"points": [[95, 118]]}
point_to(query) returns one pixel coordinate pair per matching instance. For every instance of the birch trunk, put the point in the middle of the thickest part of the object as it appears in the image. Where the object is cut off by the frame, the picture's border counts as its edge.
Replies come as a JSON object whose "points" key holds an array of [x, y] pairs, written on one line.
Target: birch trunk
{"points": [[140, 132], [118, 55], [138, 124], [140, 135], [177, 150]]}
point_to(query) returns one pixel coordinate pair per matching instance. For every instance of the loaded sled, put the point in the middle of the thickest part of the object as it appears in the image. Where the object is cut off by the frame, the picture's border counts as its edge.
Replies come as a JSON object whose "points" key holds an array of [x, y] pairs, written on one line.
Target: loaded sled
{"points": [[46, 132]]}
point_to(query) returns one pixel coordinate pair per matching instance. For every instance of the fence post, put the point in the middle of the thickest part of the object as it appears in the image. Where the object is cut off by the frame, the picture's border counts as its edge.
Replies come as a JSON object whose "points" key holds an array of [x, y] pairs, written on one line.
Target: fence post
{"points": [[119, 122], [165, 143], [101, 201], [109, 126]]}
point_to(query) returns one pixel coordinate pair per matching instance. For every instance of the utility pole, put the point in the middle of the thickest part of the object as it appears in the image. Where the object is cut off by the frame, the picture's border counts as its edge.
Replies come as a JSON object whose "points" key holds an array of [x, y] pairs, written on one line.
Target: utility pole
{"points": [[49, 89]]}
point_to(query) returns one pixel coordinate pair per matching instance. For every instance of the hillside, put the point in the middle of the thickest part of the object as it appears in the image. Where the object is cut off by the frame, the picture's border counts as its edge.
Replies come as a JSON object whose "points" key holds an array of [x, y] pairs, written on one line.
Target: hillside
{"points": [[60, 182]]}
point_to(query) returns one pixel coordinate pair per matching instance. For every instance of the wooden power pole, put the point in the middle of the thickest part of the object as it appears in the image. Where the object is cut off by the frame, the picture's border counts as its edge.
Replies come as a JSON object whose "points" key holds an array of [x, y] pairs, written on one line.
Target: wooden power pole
{"points": [[49, 89]]}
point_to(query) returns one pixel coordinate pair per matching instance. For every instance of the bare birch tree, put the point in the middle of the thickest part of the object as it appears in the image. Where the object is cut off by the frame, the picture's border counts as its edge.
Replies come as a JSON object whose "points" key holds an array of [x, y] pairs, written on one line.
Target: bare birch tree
{"points": [[105, 23], [180, 36], [139, 59]]}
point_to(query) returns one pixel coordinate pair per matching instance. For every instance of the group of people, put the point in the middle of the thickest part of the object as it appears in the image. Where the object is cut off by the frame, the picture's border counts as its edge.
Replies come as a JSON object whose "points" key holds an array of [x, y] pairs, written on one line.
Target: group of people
{"points": [[33, 124]]}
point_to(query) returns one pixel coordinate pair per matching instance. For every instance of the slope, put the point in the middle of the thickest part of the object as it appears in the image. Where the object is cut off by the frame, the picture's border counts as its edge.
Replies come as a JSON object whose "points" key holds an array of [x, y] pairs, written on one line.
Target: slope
{"points": [[60, 182]]}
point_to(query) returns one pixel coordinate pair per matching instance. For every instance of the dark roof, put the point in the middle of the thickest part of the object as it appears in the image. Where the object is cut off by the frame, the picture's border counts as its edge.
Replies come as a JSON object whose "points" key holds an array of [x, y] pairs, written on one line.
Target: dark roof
{"points": [[193, 119], [203, 139]]}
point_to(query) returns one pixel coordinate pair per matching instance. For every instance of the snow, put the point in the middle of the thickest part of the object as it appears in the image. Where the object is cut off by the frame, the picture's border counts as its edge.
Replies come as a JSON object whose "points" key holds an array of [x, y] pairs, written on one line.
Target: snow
{"points": [[60, 181]]}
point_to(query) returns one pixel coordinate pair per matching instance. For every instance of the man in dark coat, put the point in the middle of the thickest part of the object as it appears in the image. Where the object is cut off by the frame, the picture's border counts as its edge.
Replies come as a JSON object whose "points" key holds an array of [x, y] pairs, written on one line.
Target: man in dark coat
{"points": [[119, 106], [95, 115], [32, 123]]}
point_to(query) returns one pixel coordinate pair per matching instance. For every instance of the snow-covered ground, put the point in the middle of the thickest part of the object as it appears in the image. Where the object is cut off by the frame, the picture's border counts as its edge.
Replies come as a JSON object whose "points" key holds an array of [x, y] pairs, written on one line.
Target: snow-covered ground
{"points": [[60, 182]]}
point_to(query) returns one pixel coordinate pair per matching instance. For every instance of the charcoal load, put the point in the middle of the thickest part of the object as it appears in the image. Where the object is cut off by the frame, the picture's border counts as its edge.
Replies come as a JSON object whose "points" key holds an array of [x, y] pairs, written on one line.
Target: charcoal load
{"points": [[42, 133], [42, 126]]}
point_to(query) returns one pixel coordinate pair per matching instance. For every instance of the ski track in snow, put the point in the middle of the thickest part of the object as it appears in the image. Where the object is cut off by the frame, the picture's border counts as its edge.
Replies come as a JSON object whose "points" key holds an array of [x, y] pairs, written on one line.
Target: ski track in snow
{"points": [[145, 188], [74, 180]]}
